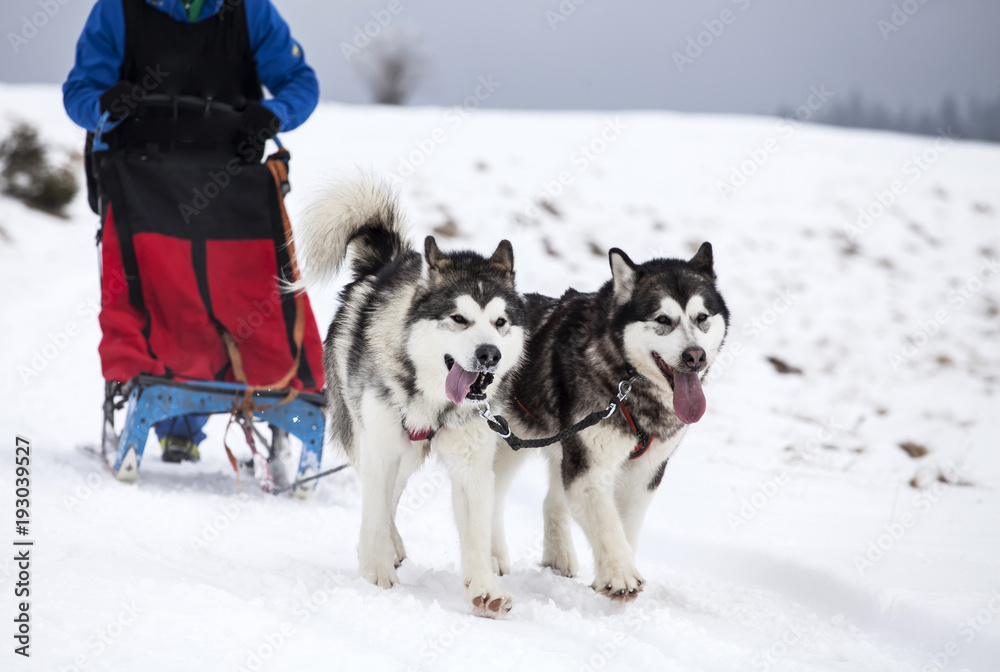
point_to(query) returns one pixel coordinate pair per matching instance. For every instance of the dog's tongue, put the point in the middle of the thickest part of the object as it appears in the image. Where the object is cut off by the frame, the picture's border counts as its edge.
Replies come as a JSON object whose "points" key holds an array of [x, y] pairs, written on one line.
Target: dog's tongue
{"points": [[457, 385], [689, 400]]}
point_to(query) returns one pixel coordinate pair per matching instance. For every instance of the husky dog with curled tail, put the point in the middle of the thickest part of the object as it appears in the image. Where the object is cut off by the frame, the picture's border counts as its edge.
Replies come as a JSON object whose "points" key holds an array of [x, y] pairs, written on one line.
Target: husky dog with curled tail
{"points": [[418, 340]]}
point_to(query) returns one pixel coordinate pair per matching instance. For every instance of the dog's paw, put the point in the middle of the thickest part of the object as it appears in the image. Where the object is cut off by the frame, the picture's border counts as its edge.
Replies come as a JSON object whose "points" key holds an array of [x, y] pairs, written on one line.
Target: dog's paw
{"points": [[489, 601], [560, 560], [619, 582], [381, 574]]}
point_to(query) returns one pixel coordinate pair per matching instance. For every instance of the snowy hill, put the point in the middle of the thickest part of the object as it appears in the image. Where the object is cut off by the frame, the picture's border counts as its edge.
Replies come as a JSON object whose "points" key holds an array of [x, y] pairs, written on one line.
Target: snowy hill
{"points": [[792, 531]]}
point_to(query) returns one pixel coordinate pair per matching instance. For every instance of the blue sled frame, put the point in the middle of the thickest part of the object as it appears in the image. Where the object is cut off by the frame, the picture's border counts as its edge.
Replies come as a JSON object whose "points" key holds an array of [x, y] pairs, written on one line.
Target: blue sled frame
{"points": [[150, 399]]}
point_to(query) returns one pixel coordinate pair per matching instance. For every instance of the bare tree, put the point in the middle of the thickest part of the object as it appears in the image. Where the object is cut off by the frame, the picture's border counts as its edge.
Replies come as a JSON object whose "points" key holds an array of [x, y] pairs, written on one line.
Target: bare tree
{"points": [[392, 65]]}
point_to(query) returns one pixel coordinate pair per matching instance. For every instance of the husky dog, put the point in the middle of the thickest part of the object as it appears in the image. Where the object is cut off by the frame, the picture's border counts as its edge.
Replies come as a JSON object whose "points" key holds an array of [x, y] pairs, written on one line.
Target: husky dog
{"points": [[416, 342], [663, 321]]}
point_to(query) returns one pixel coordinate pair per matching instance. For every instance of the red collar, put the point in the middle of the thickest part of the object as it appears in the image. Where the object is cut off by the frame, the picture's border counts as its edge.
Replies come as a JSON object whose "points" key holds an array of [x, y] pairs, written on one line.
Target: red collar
{"points": [[421, 434]]}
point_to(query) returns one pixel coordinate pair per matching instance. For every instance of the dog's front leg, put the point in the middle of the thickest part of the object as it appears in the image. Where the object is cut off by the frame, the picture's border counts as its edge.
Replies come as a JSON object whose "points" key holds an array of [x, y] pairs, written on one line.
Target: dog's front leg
{"points": [[381, 446], [591, 494], [557, 548], [413, 456], [637, 485], [468, 453], [505, 466]]}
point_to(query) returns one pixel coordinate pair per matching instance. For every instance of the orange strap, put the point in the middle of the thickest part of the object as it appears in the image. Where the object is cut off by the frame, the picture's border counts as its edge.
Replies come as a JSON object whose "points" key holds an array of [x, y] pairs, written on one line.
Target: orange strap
{"points": [[644, 441], [279, 171], [525, 409]]}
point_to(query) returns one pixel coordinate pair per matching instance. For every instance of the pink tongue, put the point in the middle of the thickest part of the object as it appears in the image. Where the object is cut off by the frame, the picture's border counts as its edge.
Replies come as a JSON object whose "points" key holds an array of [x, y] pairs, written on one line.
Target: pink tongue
{"points": [[457, 385], [689, 400]]}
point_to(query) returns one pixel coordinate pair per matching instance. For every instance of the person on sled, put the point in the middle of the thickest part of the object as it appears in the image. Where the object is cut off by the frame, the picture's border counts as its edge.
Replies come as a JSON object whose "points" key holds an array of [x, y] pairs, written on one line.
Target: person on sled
{"points": [[194, 237]]}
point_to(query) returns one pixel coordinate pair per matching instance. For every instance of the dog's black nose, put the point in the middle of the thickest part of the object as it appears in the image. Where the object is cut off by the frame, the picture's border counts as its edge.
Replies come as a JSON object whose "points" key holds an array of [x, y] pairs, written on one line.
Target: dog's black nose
{"points": [[694, 358], [488, 355]]}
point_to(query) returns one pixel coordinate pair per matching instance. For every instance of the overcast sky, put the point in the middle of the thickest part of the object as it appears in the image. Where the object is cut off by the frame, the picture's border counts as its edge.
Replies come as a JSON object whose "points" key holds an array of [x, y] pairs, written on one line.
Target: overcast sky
{"points": [[620, 54]]}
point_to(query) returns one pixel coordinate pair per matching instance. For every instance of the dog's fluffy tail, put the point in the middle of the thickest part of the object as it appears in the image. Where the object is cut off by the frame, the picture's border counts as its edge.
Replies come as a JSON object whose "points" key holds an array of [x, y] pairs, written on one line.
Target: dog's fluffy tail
{"points": [[360, 215]]}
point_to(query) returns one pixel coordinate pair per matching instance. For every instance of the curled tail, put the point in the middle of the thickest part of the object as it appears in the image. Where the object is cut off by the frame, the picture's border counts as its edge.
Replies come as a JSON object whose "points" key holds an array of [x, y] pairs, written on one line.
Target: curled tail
{"points": [[360, 214]]}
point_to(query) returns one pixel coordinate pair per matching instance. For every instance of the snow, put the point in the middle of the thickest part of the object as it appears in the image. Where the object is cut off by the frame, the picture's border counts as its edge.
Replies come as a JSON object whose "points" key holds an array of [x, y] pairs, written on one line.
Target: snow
{"points": [[791, 531]]}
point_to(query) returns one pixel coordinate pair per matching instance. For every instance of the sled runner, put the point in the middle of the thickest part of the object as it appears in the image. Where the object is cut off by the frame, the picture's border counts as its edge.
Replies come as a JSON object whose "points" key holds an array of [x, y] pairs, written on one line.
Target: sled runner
{"points": [[150, 399], [194, 247]]}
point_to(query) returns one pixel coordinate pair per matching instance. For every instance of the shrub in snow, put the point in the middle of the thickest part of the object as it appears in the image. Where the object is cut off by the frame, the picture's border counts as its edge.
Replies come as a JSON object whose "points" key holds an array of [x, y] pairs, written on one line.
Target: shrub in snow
{"points": [[392, 64], [27, 175]]}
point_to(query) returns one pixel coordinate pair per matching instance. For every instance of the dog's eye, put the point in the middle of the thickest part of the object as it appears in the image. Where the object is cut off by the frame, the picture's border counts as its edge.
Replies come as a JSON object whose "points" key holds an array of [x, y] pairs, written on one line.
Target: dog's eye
{"points": [[664, 320], [459, 319], [500, 322], [701, 318]]}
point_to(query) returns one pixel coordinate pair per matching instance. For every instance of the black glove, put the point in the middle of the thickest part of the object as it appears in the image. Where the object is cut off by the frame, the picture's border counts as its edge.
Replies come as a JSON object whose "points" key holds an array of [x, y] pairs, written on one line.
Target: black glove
{"points": [[258, 124], [118, 100]]}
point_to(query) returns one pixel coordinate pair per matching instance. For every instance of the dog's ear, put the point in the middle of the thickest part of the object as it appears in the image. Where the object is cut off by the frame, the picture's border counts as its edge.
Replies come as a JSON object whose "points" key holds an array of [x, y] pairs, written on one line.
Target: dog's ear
{"points": [[702, 261], [503, 258], [623, 273], [435, 258]]}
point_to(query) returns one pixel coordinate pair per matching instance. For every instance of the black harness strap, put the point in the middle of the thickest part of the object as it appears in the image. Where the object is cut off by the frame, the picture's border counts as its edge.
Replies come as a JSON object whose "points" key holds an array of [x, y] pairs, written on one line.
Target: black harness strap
{"points": [[500, 425]]}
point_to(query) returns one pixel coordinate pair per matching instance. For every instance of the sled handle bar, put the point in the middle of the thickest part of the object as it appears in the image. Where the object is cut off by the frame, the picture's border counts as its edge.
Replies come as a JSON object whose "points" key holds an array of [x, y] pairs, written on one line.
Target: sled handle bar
{"points": [[205, 105], [198, 103], [188, 102]]}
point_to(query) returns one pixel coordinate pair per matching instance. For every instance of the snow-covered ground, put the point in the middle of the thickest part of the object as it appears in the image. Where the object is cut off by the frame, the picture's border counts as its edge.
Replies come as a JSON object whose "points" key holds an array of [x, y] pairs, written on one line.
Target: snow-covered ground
{"points": [[791, 532]]}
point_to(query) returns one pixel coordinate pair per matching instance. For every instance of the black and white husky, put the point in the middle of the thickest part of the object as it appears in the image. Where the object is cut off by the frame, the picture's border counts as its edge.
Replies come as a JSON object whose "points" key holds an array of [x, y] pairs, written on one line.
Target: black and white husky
{"points": [[416, 342], [663, 320]]}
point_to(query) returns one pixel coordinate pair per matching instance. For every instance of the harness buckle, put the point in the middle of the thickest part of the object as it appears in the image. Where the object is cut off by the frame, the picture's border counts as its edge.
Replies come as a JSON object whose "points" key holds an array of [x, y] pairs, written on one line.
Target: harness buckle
{"points": [[487, 415], [485, 412], [623, 393], [625, 386]]}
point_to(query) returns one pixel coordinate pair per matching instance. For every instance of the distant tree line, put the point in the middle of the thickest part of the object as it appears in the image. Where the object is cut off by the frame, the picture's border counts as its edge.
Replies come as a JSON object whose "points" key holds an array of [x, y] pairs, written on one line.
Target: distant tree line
{"points": [[976, 120]]}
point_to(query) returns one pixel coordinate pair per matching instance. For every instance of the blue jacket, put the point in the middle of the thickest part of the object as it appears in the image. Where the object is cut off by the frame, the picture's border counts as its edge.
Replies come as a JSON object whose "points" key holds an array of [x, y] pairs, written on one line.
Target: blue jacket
{"points": [[279, 60]]}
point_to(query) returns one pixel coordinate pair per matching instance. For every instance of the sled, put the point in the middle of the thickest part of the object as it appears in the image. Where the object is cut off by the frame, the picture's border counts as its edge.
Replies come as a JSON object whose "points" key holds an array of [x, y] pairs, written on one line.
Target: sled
{"points": [[150, 399], [193, 317]]}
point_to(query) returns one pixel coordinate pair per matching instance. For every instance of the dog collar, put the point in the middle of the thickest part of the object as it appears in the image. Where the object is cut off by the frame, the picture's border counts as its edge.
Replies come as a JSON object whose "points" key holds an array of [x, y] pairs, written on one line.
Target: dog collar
{"points": [[421, 434]]}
